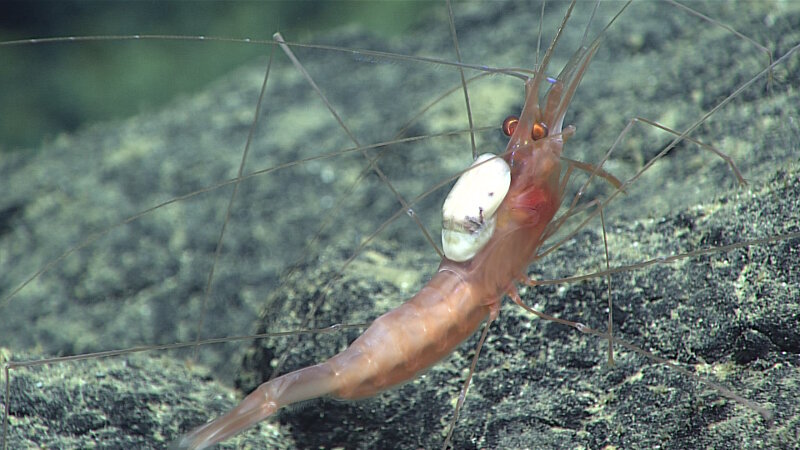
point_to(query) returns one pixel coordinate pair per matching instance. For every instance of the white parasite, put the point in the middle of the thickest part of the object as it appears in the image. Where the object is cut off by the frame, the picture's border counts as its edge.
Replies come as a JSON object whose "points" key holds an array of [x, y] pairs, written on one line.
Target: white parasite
{"points": [[468, 219]]}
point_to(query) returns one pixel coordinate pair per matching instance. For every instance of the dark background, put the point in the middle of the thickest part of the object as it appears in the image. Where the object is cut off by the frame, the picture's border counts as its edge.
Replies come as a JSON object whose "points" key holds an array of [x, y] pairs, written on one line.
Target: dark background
{"points": [[60, 78]]}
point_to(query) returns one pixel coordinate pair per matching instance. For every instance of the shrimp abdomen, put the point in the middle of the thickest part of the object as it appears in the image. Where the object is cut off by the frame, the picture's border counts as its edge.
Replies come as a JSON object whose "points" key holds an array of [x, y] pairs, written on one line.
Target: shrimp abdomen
{"points": [[408, 340]]}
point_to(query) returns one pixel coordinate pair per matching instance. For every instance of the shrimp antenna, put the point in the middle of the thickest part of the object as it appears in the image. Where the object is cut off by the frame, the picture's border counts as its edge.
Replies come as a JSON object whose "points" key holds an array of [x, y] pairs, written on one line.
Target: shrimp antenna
{"points": [[453, 33], [549, 53], [591, 18]]}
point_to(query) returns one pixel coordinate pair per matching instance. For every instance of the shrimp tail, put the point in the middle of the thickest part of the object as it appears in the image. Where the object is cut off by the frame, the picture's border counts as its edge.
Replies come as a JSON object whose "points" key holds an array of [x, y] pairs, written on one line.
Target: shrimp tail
{"points": [[304, 384]]}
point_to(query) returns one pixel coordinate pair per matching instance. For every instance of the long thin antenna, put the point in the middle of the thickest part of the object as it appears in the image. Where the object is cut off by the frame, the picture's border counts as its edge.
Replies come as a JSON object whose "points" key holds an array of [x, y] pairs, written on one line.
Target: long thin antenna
{"points": [[462, 397], [218, 249], [539, 38], [463, 79], [285, 47], [608, 285]]}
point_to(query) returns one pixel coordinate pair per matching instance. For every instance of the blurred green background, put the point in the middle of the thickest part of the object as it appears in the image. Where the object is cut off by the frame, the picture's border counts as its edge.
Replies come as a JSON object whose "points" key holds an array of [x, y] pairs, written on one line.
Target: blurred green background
{"points": [[53, 88]]}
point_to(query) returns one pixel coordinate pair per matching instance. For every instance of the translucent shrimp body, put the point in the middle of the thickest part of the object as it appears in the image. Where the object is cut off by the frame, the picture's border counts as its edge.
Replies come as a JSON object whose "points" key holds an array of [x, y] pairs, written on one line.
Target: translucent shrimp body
{"points": [[406, 341]]}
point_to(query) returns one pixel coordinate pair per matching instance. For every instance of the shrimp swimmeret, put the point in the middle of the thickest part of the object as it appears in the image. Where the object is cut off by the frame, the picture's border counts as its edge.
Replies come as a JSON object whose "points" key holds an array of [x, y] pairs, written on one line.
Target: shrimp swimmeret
{"points": [[727, 315]]}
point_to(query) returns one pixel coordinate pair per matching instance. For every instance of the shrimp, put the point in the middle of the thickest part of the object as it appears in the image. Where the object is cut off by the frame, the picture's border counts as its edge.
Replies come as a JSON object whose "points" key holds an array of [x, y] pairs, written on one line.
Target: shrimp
{"points": [[467, 288], [525, 363]]}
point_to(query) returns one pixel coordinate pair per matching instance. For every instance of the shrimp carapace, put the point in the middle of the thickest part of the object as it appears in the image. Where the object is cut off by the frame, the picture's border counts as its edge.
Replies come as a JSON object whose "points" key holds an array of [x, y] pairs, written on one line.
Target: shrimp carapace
{"points": [[534, 156], [408, 340]]}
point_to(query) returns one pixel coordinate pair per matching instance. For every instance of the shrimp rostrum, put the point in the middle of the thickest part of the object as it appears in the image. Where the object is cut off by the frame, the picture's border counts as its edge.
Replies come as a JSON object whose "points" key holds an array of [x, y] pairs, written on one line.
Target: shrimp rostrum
{"points": [[495, 219]]}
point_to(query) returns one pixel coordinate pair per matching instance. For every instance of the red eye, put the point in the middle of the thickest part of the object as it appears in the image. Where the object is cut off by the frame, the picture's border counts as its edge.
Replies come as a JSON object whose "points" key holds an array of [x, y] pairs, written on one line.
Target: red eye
{"points": [[510, 124], [539, 131]]}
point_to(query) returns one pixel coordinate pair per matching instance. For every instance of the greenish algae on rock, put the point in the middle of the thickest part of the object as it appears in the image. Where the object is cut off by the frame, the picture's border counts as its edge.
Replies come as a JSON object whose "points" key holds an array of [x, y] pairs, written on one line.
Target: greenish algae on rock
{"points": [[732, 317]]}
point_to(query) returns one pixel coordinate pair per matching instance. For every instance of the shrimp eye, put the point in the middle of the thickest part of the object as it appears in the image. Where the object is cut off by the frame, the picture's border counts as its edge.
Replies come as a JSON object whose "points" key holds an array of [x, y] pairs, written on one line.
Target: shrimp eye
{"points": [[539, 131], [509, 125]]}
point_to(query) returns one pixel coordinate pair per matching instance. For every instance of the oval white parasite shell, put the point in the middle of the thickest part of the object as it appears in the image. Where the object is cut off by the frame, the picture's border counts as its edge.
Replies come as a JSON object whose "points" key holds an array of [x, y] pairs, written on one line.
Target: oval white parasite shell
{"points": [[468, 212]]}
